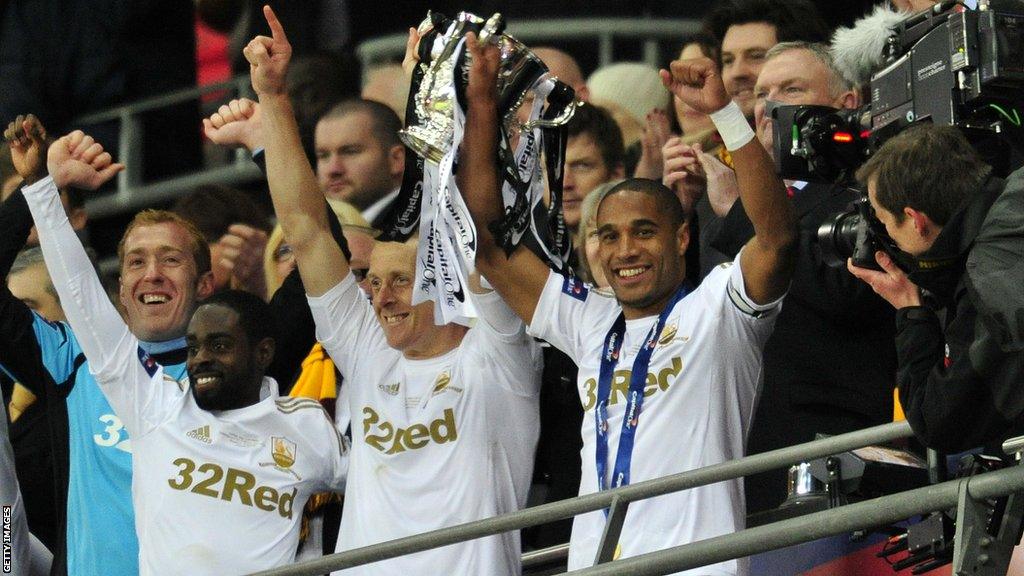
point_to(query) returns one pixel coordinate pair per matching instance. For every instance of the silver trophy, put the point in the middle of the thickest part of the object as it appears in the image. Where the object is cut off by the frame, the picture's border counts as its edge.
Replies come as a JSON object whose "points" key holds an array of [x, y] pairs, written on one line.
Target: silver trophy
{"points": [[444, 83]]}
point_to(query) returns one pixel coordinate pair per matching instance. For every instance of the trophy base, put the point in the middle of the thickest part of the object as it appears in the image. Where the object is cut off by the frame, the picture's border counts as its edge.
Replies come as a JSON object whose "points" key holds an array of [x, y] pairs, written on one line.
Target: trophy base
{"points": [[424, 143]]}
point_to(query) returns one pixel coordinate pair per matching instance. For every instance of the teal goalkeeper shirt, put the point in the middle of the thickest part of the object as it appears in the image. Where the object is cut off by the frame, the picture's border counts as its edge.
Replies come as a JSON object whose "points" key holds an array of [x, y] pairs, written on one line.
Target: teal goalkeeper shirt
{"points": [[101, 535]]}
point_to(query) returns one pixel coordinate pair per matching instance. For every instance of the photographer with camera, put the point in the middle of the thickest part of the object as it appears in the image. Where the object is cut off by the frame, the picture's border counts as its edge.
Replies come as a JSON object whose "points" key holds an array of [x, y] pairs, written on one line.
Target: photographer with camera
{"points": [[959, 329]]}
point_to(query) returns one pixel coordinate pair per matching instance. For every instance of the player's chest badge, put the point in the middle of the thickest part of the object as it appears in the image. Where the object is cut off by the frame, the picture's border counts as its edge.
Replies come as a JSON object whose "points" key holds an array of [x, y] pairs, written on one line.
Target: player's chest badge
{"points": [[671, 334], [283, 454]]}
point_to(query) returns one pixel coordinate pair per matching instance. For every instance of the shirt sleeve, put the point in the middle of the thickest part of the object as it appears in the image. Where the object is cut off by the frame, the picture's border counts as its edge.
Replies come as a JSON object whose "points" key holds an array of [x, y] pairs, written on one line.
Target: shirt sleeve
{"points": [[29, 344], [500, 336], [567, 310], [346, 324], [724, 292], [958, 386], [336, 457], [123, 371]]}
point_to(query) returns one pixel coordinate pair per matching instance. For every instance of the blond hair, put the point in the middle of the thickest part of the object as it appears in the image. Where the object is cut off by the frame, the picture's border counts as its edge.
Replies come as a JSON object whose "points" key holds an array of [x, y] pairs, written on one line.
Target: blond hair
{"points": [[197, 242]]}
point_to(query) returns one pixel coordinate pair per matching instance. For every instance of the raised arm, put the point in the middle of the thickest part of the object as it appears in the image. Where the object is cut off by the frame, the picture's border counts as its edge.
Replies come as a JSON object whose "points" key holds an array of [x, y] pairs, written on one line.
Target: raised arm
{"points": [[298, 202], [20, 352], [519, 278], [768, 258], [76, 160]]}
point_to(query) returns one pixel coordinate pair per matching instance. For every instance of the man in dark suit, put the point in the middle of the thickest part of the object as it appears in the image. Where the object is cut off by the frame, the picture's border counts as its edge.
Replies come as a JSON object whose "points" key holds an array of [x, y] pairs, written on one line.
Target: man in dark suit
{"points": [[359, 158], [830, 364]]}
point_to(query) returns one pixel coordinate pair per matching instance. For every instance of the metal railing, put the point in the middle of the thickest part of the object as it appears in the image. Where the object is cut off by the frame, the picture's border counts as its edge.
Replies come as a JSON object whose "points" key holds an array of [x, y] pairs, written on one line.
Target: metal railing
{"points": [[651, 32], [863, 515], [618, 499], [133, 194]]}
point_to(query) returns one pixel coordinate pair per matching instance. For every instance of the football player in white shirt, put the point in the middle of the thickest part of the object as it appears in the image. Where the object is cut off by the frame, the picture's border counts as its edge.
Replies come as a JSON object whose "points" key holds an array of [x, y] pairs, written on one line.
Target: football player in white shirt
{"points": [[445, 418], [668, 378], [221, 467]]}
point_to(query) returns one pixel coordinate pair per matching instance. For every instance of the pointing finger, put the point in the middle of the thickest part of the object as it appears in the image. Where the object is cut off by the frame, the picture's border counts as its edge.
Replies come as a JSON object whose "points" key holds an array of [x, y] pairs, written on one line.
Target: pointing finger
{"points": [[276, 30]]}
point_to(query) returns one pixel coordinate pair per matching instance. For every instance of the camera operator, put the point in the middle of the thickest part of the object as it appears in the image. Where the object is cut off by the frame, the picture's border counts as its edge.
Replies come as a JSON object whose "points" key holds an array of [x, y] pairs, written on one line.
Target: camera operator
{"points": [[959, 330]]}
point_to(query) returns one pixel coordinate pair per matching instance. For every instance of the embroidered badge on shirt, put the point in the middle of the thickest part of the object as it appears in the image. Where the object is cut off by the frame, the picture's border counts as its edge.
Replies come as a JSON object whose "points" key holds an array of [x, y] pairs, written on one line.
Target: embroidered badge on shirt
{"points": [[282, 451]]}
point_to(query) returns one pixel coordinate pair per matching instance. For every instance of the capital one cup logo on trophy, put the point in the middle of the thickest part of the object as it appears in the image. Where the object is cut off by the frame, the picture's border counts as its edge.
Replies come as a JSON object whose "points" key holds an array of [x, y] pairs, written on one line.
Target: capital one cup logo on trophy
{"points": [[435, 116]]}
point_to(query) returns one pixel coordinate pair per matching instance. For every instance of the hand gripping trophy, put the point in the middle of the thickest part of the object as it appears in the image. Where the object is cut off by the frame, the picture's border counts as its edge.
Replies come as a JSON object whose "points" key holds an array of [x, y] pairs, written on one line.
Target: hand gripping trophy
{"points": [[435, 118]]}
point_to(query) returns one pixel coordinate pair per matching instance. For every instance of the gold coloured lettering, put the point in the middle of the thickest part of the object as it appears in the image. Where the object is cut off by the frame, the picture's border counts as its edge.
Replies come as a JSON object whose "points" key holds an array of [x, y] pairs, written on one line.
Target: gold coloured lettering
{"points": [[663, 376], [379, 441], [238, 486], [369, 419], [398, 445], [590, 389], [395, 440], [450, 434], [241, 482], [184, 479], [417, 436], [203, 487], [266, 498], [286, 503], [620, 384]]}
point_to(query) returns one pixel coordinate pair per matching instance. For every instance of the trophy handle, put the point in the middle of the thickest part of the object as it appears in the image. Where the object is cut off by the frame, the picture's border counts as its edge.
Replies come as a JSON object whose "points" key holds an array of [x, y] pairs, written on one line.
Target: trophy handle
{"points": [[562, 118], [492, 29], [562, 95]]}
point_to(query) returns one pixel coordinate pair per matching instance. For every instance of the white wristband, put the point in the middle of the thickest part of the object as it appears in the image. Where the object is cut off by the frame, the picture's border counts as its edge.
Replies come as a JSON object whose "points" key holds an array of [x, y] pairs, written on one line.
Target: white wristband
{"points": [[732, 126]]}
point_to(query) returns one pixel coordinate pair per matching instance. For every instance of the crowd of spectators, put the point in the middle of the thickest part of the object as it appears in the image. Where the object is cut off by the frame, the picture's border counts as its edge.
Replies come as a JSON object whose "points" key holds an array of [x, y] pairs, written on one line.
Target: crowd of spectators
{"points": [[258, 387]]}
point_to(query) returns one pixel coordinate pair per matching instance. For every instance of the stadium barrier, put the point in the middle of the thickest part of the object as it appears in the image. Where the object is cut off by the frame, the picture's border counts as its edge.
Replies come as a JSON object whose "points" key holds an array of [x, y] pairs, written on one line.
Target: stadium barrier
{"points": [[974, 554]]}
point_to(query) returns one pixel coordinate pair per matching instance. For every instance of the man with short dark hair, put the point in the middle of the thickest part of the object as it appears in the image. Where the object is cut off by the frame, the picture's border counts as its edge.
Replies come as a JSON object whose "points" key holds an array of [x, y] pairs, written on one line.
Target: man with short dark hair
{"points": [[959, 377], [359, 158], [594, 154], [746, 29], [696, 355]]}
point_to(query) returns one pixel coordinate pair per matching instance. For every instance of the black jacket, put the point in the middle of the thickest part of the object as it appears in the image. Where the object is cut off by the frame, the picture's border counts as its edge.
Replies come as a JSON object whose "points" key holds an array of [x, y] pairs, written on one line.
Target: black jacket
{"points": [[961, 378], [830, 364], [40, 436]]}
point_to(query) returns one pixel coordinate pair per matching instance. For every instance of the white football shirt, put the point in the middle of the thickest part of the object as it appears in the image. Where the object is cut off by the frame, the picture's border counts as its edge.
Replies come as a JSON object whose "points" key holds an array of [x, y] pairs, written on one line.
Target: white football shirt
{"points": [[702, 386], [222, 492], [435, 442], [214, 493]]}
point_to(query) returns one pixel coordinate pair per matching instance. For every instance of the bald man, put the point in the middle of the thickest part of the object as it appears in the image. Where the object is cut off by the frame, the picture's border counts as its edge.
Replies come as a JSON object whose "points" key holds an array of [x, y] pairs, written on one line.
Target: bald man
{"points": [[565, 68], [387, 84]]}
